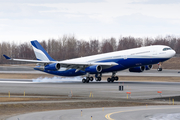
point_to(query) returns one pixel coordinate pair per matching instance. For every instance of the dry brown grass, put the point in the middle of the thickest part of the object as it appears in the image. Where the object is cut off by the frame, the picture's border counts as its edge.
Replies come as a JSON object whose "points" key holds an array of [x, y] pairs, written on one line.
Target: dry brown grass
{"points": [[173, 63], [15, 99]]}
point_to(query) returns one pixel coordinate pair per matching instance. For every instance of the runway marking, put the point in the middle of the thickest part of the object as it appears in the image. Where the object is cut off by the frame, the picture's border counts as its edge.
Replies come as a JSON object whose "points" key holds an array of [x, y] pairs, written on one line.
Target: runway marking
{"points": [[109, 118]]}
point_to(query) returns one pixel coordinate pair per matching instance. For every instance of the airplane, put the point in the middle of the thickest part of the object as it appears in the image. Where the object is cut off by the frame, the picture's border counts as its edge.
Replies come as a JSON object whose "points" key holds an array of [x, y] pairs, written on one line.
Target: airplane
{"points": [[136, 60]]}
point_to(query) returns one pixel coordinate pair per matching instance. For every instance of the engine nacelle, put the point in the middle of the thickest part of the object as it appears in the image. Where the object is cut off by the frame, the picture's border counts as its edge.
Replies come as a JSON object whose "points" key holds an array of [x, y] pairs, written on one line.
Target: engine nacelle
{"points": [[148, 67], [137, 69], [52, 67], [94, 69]]}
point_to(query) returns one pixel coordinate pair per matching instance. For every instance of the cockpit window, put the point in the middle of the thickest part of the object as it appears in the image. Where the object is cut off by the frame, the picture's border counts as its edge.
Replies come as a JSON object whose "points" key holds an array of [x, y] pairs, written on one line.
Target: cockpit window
{"points": [[165, 49]]}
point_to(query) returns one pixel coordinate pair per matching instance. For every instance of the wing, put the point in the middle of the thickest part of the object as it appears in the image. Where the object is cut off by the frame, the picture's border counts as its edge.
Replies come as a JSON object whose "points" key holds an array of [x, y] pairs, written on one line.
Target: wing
{"points": [[67, 65]]}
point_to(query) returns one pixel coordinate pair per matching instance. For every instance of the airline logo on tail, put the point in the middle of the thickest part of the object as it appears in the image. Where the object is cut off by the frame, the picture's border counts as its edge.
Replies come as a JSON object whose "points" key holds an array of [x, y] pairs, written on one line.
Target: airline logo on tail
{"points": [[40, 53]]}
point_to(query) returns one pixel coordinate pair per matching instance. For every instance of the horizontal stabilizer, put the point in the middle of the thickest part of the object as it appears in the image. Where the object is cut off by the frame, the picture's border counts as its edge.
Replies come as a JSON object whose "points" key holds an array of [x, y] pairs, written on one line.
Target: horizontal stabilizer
{"points": [[24, 60], [8, 58]]}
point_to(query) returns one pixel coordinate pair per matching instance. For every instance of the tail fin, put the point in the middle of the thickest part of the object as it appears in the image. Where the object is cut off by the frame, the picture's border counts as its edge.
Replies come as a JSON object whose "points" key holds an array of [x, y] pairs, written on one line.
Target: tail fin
{"points": [[40, 53]]}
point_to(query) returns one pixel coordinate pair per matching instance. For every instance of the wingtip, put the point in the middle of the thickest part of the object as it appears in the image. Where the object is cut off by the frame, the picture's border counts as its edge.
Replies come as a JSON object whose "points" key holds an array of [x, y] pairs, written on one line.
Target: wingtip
{"points": [[8, 58]]}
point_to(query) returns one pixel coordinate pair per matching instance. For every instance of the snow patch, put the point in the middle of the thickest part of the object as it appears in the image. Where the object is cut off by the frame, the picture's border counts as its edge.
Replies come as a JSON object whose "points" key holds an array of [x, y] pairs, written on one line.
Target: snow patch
{"points": [[175, 116]]}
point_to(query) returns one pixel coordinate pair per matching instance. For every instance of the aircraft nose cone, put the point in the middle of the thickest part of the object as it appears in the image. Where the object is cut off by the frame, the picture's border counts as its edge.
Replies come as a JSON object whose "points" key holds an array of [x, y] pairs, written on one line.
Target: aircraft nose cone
{"points": [[173, 52]]}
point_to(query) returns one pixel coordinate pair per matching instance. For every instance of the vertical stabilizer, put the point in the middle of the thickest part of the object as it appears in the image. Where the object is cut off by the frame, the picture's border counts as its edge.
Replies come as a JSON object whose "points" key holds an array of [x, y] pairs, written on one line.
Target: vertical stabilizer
{"points": [[40, 53]]}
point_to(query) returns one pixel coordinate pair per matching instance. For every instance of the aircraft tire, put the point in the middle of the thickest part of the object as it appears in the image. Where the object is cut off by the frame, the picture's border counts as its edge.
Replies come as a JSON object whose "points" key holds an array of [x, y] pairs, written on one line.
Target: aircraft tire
{"points": [[159, 69], [116, 78], [109, 80], [91, 78], [112, 79], [83, 80]]}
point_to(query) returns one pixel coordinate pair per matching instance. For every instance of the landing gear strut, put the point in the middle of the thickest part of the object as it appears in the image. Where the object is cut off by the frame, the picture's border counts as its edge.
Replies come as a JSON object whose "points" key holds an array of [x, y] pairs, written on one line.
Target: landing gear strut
{"points": [[113, 77]]}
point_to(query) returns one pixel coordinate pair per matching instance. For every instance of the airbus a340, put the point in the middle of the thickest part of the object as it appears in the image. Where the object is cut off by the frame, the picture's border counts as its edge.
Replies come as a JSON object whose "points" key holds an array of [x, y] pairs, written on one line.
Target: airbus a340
{"points": [[136, 60]]}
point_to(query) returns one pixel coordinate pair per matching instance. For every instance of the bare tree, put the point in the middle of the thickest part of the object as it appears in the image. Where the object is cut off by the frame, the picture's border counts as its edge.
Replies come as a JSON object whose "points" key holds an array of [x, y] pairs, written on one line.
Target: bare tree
{"points": [[106, 46]]}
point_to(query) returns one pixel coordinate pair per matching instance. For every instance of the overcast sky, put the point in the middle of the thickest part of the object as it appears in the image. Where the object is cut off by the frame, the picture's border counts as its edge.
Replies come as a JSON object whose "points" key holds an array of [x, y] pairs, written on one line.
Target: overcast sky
{"points": [[25, 20]]}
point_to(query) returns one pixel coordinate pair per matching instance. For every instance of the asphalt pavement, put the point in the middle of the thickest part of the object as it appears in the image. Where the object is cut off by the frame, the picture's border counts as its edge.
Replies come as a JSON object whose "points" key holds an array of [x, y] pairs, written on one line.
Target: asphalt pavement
{"points": [[115, 113]]}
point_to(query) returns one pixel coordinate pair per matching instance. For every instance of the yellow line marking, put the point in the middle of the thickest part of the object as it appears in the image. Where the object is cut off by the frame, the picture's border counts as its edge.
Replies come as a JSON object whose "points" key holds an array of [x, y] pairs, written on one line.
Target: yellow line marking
{"points": [[109, 118], [108, 115]]}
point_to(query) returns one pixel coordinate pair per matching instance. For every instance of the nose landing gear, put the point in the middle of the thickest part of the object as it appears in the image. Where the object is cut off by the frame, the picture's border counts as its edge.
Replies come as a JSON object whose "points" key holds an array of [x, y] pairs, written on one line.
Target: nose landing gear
{"points": [[159, 66]]}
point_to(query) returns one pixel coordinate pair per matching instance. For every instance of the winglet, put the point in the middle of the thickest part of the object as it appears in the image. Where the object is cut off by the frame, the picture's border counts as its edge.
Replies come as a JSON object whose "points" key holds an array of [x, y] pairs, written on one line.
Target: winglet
{"points": [[8, 58]]}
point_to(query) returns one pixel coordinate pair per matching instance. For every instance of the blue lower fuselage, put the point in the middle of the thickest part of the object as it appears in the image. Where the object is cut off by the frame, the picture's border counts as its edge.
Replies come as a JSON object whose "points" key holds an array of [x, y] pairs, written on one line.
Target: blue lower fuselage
{"points": [[123, 64]]}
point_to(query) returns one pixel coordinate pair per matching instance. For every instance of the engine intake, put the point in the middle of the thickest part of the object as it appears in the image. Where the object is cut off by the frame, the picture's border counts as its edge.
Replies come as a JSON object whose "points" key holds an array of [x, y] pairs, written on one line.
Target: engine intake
{"points": [[94, 69], [137, 69]]}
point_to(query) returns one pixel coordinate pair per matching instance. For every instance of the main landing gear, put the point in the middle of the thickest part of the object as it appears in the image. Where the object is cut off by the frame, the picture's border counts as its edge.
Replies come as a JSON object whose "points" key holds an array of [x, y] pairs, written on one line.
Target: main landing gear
{"points": [[88, 78], [113, 77], [98, 78]]}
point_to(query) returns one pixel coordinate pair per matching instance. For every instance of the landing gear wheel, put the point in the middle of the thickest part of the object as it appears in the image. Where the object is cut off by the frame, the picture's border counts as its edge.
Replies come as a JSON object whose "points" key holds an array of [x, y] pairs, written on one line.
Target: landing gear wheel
{"points": [[83, 80], [159, 69], [109, 80], [98, 78], [91, 78], [112, 79], [116, 78]]}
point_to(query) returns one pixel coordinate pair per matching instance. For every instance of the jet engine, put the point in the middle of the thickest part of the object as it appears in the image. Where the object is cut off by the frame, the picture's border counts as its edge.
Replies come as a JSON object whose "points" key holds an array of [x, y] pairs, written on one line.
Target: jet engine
{"points": [[93, 69], [52, 67], [137, 69]]}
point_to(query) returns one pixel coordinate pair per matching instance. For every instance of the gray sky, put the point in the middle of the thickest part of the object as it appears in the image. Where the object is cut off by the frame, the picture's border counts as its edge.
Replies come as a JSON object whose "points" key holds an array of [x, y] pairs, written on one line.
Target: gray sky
{"points": [[25, 20]]}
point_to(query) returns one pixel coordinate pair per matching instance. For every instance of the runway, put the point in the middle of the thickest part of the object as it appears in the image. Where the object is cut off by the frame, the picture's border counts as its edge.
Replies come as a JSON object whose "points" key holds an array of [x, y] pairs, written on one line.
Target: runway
{"points": [[140, 91], [115, 113]]}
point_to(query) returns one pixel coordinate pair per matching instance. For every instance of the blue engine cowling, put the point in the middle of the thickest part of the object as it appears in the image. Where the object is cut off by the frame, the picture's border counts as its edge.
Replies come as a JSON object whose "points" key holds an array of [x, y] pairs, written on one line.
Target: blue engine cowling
{"points": [[52, 67], [148, 67], [137, 69], [93, 69]]}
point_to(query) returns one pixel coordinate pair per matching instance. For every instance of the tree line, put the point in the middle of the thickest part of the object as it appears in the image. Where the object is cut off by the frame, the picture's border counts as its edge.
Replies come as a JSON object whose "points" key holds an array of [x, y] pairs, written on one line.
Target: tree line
{"points": [[68, 47]]}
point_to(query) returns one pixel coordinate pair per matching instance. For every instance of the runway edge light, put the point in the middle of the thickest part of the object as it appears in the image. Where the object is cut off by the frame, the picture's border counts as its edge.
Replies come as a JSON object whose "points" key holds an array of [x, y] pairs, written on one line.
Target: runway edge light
{"points": [[160, 93]]}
